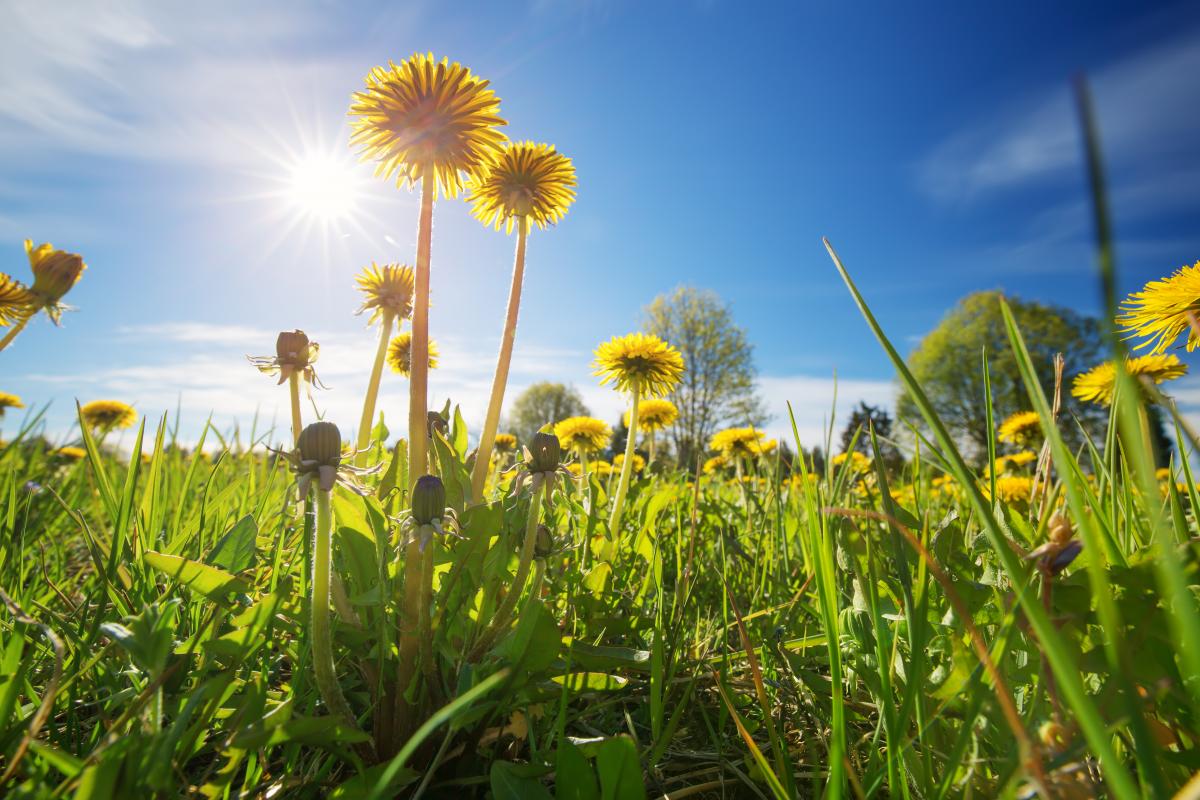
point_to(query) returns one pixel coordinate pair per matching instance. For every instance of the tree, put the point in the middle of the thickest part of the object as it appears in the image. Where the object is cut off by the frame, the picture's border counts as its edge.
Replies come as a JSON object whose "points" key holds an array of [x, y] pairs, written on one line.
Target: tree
{"points": [[541, 403], [948, 364], [862, 419], [718, 382]]}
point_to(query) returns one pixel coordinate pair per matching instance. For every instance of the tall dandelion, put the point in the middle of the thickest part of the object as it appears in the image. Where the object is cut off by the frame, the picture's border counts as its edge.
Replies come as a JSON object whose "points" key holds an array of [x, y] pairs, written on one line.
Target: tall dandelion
{"points": [[106, 415], [433, 122], [295, 355], [655, 414], [527, 184], [1163, 310], [1098, 384], [639, 364], [388, 292], [55, 272]]}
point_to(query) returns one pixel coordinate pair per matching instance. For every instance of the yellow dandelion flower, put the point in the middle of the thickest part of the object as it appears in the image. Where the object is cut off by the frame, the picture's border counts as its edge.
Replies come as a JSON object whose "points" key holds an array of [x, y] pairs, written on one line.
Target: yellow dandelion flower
{"points": [[399, 354], [583, 434], [54, 273], [1020, 428], [388, 290], [638, 361], [1022, 458], [422, 118], [734, 442], [639, 463], [8, 401], [1162, 474], [71, 453], [1012, 489], [108, 414], [715, 464], [858, 461], [654, 414], [1163, 310], [15, 300], [525, 180], [1098, 384], [505, 443]]}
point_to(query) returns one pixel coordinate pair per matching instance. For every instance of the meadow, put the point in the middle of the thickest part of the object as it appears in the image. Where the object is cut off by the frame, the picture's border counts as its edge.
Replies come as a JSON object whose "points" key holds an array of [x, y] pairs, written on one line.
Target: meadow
{"points": [[433, 611]]}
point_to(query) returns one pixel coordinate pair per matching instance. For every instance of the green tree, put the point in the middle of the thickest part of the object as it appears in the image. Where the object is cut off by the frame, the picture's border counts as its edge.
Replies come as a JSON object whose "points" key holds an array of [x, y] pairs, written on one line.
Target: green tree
{"points": [[948, 364], [717, 388], [541, 403]]}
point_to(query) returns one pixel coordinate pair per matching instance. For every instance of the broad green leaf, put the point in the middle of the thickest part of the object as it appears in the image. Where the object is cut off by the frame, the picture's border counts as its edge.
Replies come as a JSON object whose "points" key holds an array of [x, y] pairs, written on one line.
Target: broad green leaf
{"points": [[620, 770], [235, 551], [593, 681], [207, 580]]}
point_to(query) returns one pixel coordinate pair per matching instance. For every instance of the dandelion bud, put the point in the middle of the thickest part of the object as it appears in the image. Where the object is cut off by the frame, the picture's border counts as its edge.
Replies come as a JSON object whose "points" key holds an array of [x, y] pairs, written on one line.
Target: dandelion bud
{"points": [[544, 544], [321, 443], [1059, 529], [291, 347], [429, 500], [544, 453], [54, 272], [437, 423]]}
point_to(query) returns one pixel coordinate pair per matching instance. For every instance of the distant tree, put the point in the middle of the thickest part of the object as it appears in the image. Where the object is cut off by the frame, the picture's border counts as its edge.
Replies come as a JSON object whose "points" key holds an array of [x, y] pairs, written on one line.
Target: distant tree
{"points": [[947, 364], [717, 388], [541, 403], [861, 420]]}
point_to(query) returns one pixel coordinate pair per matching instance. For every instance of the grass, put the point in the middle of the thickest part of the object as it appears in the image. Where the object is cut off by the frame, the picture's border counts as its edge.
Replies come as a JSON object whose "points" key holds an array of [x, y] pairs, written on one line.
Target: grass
{"points": [[782, 629]]}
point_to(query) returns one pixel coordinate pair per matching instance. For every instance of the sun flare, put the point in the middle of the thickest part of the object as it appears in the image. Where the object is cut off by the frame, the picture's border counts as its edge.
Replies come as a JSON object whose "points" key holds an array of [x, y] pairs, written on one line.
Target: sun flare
{"points": [[323, 186]]}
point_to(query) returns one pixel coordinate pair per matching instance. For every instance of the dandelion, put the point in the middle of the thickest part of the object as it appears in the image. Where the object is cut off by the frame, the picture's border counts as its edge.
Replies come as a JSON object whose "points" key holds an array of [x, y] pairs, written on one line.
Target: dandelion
{"points": [[1163, 310], [1012, 489], [584, 435], [8, 401], [737, 443], [388, 293], [55, 272], [399, 354], [505, 443], [294, 357], [428, 121], [655, 414], [526, 184], [640, 364], [1098, 384], [1020, 428], [71, 453], [639, 463], [715, 464], [858, 461], [106, 415], [428, 514]]}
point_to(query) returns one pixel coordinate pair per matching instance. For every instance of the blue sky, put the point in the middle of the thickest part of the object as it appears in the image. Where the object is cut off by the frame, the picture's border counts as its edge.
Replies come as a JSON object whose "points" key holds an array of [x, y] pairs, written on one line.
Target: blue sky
{"points": [[715, 144]]}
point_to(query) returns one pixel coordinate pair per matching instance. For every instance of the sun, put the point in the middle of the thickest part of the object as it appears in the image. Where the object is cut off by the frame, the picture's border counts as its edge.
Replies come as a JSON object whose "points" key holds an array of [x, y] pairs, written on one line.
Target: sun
{"points": [[323, 186]]}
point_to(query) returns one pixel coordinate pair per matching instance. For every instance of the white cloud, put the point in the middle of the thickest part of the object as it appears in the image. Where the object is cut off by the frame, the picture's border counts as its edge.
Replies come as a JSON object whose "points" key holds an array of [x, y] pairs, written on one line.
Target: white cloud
{"points": [[812, 401]]}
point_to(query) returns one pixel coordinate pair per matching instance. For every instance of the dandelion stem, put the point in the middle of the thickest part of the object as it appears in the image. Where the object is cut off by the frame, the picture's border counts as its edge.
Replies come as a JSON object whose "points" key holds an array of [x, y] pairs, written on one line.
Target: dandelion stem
{"points": [[13, 331], [488, 437], [322, 639], [503, 615], [294, 391], [614, 525], [368, 414]]}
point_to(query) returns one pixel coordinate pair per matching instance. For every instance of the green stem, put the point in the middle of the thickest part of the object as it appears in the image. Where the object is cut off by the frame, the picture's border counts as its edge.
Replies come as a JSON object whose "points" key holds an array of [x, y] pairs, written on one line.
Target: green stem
{"points": [[503, 615], [14, 330], [294, 392], [322, 638], [368, 413], [492, 421], [614, 526]]}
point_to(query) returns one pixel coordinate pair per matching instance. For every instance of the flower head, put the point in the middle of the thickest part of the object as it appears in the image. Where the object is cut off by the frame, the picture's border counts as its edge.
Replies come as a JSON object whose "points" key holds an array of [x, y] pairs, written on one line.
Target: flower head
{"points": [[318, 456], [583, 434], [543, 462], [505, 443], [399, 354], [715, 464], [737, 442], [107, 414], [525, 180], [654, 414], [428, 514], [1012, 489], [1020, 428], [54, 273], [639, 361], [425, 118], [639, 463], [858, 461], [295, 354], [1163, 310], [70, 453], [8, 401], [15, 299], [388, 289], [1098, 384]]}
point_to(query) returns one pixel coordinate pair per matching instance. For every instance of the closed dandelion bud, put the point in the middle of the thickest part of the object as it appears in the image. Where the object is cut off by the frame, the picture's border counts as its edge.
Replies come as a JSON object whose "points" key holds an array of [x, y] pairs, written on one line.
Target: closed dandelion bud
{"points": [[1059, 529], [291, 347], [545, 453], [544, 545], [54, 272], [429, 500], [321, 443], [437, 423]]}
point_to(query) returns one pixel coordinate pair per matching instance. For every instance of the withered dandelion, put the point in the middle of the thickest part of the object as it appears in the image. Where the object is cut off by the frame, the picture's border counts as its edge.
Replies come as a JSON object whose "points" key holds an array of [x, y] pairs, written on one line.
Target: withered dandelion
{"points": [[1098, 384], [399, 353], [295, 355], [1163, 310], [526, 184], [106, 415]]}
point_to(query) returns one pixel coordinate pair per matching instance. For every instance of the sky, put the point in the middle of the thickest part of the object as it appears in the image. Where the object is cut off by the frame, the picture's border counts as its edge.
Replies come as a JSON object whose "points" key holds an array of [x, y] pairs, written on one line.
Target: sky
{"points": [[176, 147]]}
